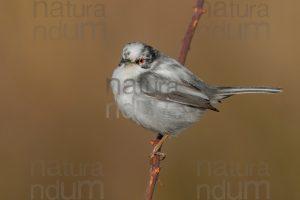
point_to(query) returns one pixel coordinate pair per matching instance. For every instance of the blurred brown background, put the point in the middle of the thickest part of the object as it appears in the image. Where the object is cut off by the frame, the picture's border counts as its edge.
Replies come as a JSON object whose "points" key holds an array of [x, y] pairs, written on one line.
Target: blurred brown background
{"points": [[54, 99]]}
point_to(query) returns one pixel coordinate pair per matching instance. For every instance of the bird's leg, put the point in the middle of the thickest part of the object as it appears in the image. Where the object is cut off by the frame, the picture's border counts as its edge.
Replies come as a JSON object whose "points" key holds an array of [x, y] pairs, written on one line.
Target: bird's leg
{"points": [[157, 147], [158, 144], [155, 141]]}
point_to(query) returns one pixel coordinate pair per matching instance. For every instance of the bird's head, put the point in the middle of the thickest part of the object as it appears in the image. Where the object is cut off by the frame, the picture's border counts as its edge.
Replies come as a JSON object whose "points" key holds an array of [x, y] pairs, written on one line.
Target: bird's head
{"points": [[138, 54]]}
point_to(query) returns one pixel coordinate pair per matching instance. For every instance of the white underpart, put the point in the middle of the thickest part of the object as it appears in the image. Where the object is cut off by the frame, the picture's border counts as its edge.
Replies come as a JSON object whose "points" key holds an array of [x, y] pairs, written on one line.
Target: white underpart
{"points": [[124, 100]]}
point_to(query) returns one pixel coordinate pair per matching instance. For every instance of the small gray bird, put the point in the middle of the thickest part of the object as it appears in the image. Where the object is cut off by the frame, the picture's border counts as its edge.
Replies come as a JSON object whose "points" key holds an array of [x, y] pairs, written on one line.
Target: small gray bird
{"points": [[160, 94]]}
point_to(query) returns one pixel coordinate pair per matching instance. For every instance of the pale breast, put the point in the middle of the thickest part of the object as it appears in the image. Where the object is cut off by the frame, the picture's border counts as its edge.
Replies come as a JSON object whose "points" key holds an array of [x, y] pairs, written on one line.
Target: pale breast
{"points": [[153, 114], [125, 87]]}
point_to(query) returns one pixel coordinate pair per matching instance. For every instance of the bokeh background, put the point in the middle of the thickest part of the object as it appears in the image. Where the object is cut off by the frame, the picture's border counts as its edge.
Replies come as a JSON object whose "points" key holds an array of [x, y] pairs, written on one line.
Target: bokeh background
{"points": [[56, 108]]}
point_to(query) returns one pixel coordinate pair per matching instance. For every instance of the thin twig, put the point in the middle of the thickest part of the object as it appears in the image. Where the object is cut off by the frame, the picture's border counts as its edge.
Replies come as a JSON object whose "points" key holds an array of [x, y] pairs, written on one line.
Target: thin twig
{"points": [[153, 176], [198, 11], [156, 159]]}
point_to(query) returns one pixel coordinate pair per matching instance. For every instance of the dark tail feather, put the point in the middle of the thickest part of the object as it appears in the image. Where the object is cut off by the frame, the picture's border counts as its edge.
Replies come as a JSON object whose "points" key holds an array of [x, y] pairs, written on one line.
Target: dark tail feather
{"points": [[224, 92]]}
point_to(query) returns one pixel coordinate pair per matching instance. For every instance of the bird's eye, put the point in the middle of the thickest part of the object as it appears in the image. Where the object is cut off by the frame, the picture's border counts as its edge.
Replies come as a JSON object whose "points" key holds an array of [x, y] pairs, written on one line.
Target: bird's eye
{"points": [[140, 61]]}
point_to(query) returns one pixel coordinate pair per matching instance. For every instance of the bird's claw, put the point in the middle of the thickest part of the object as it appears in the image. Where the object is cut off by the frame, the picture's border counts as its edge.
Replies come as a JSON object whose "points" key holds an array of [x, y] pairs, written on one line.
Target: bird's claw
{"points": [[161, 155], [156, 152], [157, 143]]}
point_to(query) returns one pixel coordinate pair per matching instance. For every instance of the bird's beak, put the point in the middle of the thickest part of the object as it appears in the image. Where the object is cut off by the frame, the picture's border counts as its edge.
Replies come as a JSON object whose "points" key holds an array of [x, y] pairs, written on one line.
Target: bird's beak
{"points": [[127, 63], [130, 63]]}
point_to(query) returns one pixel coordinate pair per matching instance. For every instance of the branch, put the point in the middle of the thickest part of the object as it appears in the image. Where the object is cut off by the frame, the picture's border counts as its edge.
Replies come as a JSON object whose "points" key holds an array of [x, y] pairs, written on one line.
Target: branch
{"points": [[154, 172], [198, 11], [156, 159]]}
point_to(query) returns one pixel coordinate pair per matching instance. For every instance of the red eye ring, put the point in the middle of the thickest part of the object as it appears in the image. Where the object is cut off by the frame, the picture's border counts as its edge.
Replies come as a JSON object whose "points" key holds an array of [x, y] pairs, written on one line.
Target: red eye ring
{"points": [[141, 61]]}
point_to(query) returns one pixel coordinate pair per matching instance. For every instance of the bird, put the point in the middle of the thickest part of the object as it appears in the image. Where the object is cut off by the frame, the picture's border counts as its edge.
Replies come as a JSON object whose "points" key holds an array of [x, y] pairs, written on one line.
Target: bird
{"points": [[163, 96]]}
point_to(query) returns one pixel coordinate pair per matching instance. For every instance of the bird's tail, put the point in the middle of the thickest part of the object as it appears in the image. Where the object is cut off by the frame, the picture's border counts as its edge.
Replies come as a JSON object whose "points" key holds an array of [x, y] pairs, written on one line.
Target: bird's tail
{"points": [[224, 92]]}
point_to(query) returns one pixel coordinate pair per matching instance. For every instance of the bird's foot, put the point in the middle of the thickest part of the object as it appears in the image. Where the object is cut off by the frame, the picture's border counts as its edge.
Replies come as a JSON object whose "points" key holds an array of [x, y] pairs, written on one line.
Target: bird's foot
{"points": [[161, 155], [157, 143]]}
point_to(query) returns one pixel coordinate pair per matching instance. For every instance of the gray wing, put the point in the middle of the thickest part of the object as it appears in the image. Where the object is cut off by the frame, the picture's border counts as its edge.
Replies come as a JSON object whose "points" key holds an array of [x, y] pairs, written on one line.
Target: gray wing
{"points": [[173, 89], [171, 68]]}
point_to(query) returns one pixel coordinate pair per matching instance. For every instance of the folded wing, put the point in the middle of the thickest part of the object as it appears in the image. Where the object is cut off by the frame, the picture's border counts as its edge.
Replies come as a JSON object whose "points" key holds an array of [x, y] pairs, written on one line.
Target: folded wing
{"points": [[173, 90]]}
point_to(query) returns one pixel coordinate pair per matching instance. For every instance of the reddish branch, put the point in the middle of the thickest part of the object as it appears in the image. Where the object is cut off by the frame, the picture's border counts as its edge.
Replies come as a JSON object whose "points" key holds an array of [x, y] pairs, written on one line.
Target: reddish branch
{"points": [[156, 159], [198, 11], [154, 172]]}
